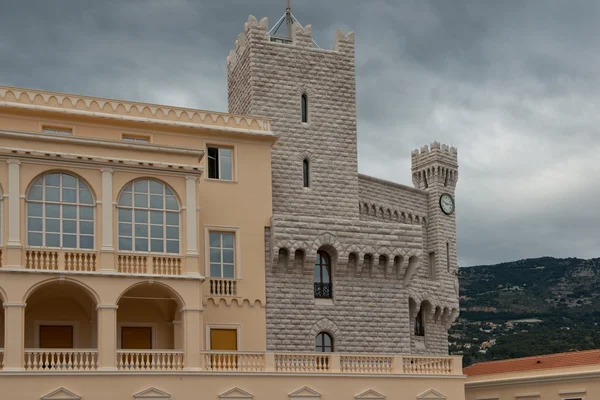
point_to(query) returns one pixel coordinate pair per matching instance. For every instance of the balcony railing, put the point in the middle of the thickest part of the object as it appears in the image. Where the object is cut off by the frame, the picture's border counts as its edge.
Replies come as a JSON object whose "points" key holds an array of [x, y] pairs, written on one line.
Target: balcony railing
{"points": [[150, 360], [143, 264], [61, 359], [234, 361], [89, 261], [331, 362], [222, 287], [323, 290]]}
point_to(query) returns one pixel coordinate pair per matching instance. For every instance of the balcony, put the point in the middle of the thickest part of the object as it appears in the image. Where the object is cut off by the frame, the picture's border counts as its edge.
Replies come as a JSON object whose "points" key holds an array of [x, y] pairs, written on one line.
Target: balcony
{"points": [[89, 261], [323, 290], [325, 363]]}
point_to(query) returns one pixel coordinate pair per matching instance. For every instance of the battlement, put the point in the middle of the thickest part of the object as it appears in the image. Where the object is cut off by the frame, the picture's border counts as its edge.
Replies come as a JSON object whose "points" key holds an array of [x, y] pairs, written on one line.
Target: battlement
{"points": [[258, 31], [434, 163], [435, 153]]}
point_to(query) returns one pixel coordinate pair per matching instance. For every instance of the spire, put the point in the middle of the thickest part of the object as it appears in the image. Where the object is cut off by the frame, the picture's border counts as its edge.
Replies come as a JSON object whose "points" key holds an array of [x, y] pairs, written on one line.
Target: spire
{"points": [[289, 20]]}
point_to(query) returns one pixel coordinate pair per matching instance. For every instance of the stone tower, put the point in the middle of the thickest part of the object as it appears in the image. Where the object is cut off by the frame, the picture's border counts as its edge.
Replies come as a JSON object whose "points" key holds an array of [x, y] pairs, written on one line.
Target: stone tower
{"points": [[269, 76], [390, 249], [435, 170]]}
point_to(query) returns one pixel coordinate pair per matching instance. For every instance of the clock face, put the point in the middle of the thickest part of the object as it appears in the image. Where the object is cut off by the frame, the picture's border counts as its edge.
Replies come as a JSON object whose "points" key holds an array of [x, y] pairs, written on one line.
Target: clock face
{"points": [[447, 204]]}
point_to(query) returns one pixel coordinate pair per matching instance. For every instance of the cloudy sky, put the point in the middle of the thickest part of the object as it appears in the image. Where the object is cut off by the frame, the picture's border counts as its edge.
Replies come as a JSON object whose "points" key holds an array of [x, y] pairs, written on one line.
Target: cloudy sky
{"points": [[515, 85]]}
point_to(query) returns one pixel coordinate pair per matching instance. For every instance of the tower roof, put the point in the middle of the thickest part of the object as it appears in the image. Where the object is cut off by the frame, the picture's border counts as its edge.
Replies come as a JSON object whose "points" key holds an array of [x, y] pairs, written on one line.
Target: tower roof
{"points": [[278, 34]]}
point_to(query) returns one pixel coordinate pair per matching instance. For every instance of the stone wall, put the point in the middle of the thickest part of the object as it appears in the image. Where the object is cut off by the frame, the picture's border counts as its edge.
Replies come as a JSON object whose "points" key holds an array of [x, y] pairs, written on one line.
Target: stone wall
{"points": [[273, 82]]}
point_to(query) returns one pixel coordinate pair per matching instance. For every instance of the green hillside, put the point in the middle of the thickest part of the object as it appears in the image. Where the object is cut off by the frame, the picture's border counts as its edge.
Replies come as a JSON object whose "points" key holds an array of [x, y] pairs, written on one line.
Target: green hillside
{"points": [[527, 307]]}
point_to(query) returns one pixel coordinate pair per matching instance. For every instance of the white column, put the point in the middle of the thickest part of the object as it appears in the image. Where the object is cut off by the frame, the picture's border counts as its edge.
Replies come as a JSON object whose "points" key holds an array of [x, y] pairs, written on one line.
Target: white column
{"points": [[191, 220], [107, 210], [14, 213]]}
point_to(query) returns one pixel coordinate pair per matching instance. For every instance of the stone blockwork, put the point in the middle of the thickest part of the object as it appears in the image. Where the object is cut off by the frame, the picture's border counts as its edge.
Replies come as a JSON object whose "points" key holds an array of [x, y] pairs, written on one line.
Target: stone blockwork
{"points": [[377, 233], [272, 78]]}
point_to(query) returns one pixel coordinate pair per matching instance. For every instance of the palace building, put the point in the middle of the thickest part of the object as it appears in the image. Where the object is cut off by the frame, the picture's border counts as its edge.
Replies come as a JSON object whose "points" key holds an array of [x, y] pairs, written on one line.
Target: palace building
{"points": [[150, 251]]}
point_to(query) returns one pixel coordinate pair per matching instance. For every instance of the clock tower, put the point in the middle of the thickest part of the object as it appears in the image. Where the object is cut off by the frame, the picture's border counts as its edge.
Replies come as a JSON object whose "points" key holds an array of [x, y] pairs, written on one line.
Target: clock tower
{"points": [[435, 169]]}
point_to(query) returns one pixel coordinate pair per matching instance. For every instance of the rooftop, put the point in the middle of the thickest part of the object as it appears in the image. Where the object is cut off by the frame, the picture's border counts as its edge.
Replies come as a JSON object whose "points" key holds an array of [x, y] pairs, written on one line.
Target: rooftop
{"points": [[560, 360]]}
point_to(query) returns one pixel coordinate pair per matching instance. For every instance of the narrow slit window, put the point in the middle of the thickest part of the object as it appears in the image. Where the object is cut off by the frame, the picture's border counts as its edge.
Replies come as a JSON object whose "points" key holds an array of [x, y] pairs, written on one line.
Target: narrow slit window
{"points": [[306, 173], [448, 256], [220, 163], [304, 101], [432, 265]]}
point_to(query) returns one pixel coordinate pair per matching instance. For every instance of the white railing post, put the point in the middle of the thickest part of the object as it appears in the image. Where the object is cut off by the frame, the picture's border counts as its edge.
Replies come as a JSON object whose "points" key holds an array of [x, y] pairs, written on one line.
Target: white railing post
{"points": [[107, 337]]}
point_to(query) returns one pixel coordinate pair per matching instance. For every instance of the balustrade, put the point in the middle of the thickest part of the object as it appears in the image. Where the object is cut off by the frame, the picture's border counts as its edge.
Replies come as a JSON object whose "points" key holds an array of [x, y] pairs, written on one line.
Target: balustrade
{"points": [[300, 362], [41, 259], [222, 287], [234, 361], [149, 360], [427, 365], [367, 364], [61, 359], [131, 264], [80, 261], [166, 265]]}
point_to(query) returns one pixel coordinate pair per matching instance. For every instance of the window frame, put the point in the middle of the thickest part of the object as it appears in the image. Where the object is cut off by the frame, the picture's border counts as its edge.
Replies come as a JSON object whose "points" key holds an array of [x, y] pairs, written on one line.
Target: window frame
{"points": [[304, 107], [323, 255], [57, 129], [323, 346], [60, 204], [208, 157], [136, 138], [221, 249], [149, 223], [306, 173], [237, 245]]}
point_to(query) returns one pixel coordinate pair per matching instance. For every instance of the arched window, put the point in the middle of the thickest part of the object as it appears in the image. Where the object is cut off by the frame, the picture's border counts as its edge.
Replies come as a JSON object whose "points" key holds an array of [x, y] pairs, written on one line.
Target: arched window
{"points": [[148, 214], [304, 102], [419, 324], [324, 343], [60, 212], [322, 276], [306, 172]]}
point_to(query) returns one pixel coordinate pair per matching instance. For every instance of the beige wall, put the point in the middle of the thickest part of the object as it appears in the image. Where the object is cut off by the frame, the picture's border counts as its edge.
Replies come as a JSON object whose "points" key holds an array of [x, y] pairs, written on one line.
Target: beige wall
{"points": [[550, 384], [262, 387], [242, 206]]}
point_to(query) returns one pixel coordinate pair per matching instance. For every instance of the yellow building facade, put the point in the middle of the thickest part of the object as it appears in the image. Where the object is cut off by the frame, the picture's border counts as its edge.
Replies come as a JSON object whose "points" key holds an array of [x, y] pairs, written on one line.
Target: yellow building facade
{"points": [[133, 259]]}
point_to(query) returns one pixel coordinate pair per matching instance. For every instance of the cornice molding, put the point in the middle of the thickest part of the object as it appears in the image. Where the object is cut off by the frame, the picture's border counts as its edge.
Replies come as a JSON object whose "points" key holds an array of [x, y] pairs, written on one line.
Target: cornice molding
{"points": [[106, 143], [142, 112], [25, 154], [565, 376]]}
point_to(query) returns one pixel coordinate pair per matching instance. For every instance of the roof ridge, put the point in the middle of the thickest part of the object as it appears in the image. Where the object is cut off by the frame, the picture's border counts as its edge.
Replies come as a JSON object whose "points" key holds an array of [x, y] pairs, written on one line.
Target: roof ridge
{"points": [[533, 357]]}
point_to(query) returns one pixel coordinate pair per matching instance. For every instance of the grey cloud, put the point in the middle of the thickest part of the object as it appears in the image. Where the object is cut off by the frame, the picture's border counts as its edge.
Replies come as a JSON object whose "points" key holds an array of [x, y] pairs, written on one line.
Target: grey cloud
{"points": [[513, 84]]}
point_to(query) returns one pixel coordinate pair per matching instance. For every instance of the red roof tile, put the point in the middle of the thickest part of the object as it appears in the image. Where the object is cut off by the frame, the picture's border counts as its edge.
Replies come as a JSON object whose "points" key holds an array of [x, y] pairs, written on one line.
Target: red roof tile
{"points": [[559, 360]]}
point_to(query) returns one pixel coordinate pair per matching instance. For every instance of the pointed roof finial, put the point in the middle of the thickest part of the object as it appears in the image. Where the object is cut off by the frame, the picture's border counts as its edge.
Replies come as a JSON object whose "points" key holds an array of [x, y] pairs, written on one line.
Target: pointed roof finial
{"points": [[288, 19]]}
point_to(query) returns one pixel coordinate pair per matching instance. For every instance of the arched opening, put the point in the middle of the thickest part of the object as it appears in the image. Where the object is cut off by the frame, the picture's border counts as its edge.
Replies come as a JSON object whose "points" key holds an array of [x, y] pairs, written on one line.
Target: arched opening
{"points": [[149, 318], [352, 261], [322, 276], [304, 106], [368, 264], [60, 212], [419, 324], [299, 258], [324, 343], [148, 214], [283, 257], [61, 327], [397, 266], [306, 173]]}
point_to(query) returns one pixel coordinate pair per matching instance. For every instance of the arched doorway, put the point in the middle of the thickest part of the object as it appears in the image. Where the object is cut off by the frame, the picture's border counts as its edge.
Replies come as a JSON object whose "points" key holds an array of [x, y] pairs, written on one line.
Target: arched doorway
{"points": [[61, 327], [149, 328]]}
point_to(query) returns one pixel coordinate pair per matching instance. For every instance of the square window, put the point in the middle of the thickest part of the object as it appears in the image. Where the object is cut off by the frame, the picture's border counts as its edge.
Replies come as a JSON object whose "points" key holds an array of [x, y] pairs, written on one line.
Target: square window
{"points": [[34, 209], [125, 215], [34, 239], [141, 244], [172, 246], [86, 242], [69, 212], [220, 163], [157, 246], [125, 229], [125, 243], [52, 240], [70, 241]]}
